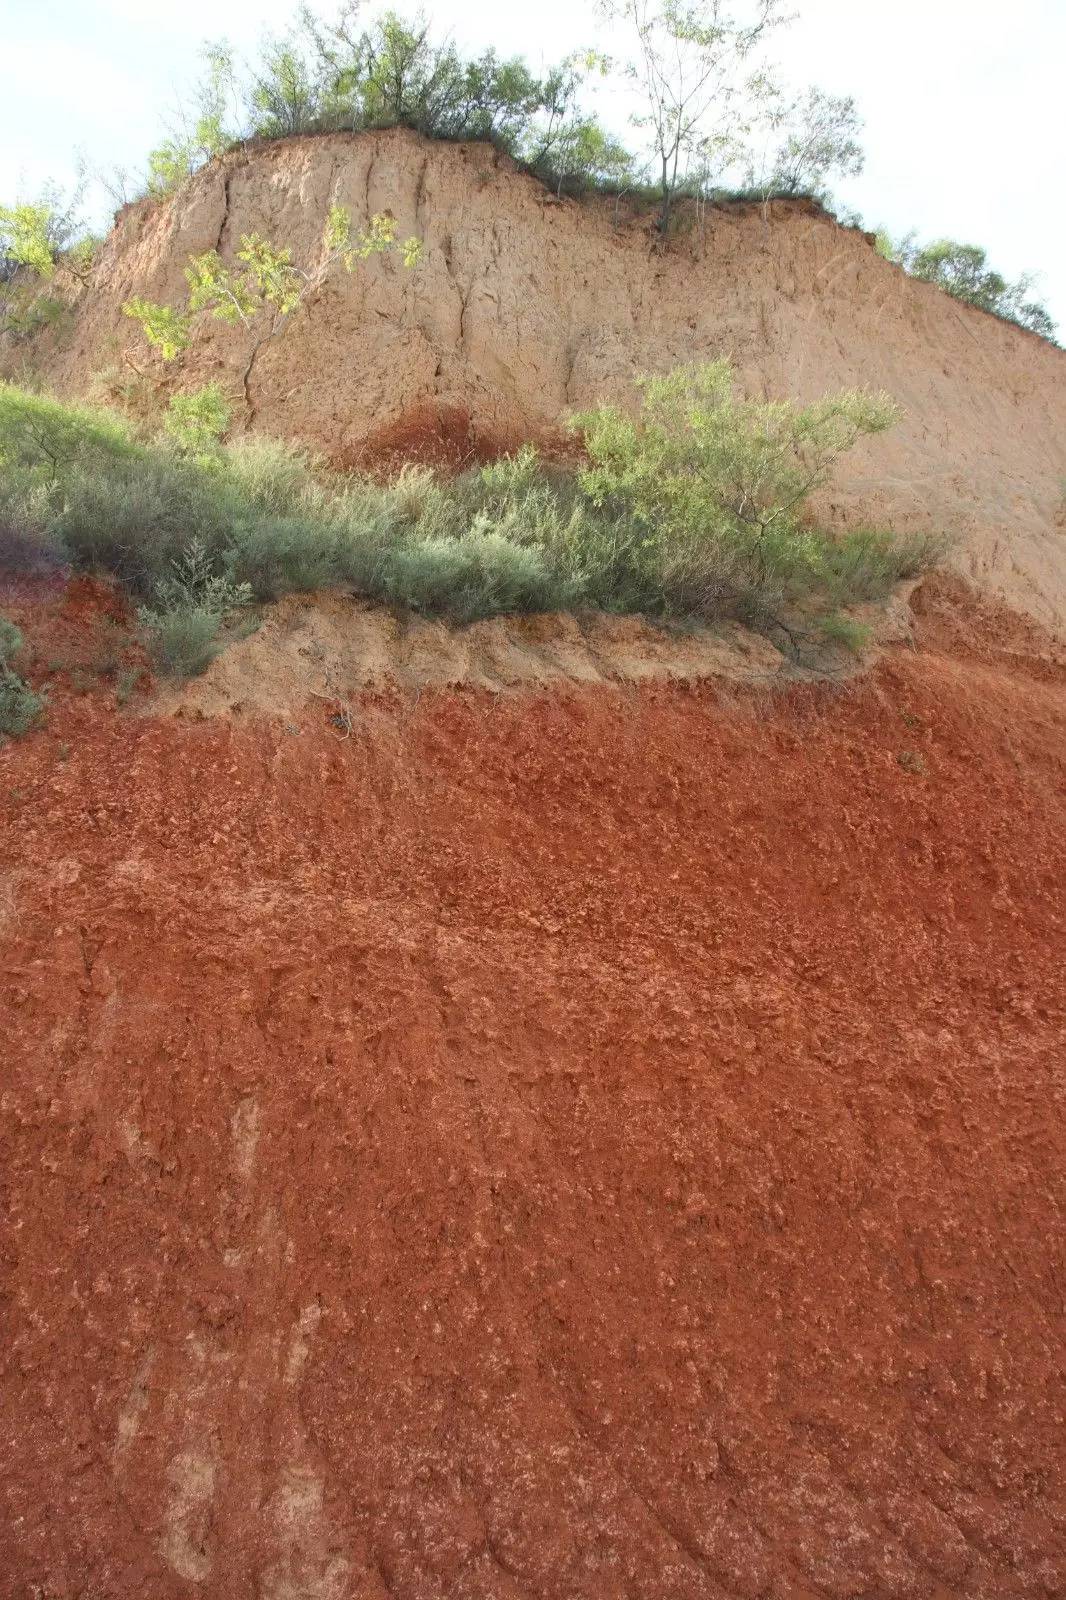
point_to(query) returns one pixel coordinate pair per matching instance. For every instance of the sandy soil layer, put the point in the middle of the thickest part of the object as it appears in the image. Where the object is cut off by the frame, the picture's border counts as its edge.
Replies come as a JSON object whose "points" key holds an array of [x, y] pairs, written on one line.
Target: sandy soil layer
{"points": [[598, 1143], [330, 647]]}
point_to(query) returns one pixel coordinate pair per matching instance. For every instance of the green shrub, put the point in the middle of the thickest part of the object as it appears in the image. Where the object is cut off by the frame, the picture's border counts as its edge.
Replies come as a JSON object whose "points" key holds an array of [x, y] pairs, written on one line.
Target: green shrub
{"points": [[393, 73], [181, 626], [136, 520], [276, 555], [195, 583], [183, 641], [323, 76], [20, 707], [25, 310], [690, 509], [36, 238], [204, 134], [717, 484], [286, 94], [846, 631], [171, 162], [266, 285], [273, 476], [164, 327], [962, 271], [50, 438], [197, 421], [866, 564], [701, 459], [480, 575], [10, 640], [25, 239]]}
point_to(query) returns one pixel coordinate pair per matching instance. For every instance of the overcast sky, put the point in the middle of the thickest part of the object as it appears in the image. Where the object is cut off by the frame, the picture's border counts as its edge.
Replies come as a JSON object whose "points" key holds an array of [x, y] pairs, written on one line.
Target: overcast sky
{"points": [[963, 99]]}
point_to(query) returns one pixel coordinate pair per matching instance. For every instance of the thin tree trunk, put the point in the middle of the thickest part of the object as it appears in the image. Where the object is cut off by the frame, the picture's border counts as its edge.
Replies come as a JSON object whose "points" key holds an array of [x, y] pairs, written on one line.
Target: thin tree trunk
{"points": [[664, 214]]}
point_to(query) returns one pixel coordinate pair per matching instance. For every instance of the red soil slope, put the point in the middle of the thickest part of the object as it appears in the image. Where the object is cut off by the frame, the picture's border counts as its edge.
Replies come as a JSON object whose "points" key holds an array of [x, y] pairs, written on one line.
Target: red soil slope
{"points": [[597, 1144]]}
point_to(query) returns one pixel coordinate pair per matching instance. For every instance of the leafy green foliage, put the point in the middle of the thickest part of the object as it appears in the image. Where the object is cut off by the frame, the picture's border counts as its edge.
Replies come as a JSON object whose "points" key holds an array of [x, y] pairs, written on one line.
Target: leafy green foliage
{"points": [[24, 311], [181, 641], [378, 238], [195, 581], [286, 96], [239, 296], [581, 156], [24, 238], [699, 457], [392, 73], [693, 67], [27, 259], [206, 136], [716, 484], [165, 329], [81, 258], [48, 439], [181, 625], [169, 164], [135, 519], [480, 575], [10, 640], [845, 631], [267, 280], [36, 239], [962, 271], [20, 707], [693, 508], [331, 76], [197, 421], [817, 138]]}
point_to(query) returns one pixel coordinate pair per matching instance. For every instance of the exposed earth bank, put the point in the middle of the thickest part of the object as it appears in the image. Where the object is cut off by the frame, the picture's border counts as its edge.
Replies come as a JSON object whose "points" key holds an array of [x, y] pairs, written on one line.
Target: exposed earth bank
{"points": [[597, 1142], [525, 306], [331, 647]]}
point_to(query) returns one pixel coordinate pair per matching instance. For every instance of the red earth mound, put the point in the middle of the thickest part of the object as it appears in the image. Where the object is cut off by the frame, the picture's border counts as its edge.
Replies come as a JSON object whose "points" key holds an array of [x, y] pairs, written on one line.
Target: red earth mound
{"points": [[575, 1145], [448, 439]]}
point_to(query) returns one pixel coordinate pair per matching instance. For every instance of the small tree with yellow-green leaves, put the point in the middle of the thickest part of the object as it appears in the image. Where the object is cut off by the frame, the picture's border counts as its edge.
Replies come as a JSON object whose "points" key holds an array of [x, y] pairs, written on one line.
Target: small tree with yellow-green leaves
{"points": [[263, 291], [35, 238]]}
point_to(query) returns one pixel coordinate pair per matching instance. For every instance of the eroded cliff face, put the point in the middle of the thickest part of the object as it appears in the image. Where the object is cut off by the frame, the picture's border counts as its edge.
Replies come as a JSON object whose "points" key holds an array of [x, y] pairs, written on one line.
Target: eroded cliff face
{"points": [[462, 1145], [525, 305]]}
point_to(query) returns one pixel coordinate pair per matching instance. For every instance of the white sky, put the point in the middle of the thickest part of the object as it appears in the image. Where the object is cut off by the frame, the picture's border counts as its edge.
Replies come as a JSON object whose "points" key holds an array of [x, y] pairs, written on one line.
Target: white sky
{"points": [[963, 99]]}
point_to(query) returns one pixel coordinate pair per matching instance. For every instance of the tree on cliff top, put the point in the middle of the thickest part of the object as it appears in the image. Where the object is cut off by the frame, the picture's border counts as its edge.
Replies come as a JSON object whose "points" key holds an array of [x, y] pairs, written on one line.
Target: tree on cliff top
{"points": [[962, 271], [392, 72], [692, 69], [36, 237]]}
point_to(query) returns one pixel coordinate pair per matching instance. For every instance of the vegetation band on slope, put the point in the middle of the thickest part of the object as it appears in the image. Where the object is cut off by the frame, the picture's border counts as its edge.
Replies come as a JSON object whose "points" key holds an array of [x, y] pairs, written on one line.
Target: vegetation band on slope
{"points": [[695, 508]]}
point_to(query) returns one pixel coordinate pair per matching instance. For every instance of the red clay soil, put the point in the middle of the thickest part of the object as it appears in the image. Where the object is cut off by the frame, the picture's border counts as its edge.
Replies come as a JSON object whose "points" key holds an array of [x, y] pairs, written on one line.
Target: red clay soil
{"points": [[577, 1145], [448, 439]]}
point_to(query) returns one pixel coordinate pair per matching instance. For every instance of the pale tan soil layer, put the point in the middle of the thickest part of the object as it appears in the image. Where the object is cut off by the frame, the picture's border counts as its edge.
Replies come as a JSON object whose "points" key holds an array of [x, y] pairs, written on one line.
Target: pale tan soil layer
{"points": [[592, 1143], [525, 306], [330, 647]]}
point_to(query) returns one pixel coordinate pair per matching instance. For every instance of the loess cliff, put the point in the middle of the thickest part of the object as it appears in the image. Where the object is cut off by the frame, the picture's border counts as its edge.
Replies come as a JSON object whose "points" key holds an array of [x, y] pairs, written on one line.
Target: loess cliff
{"points": [[525, 305], [557, 1109]]}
